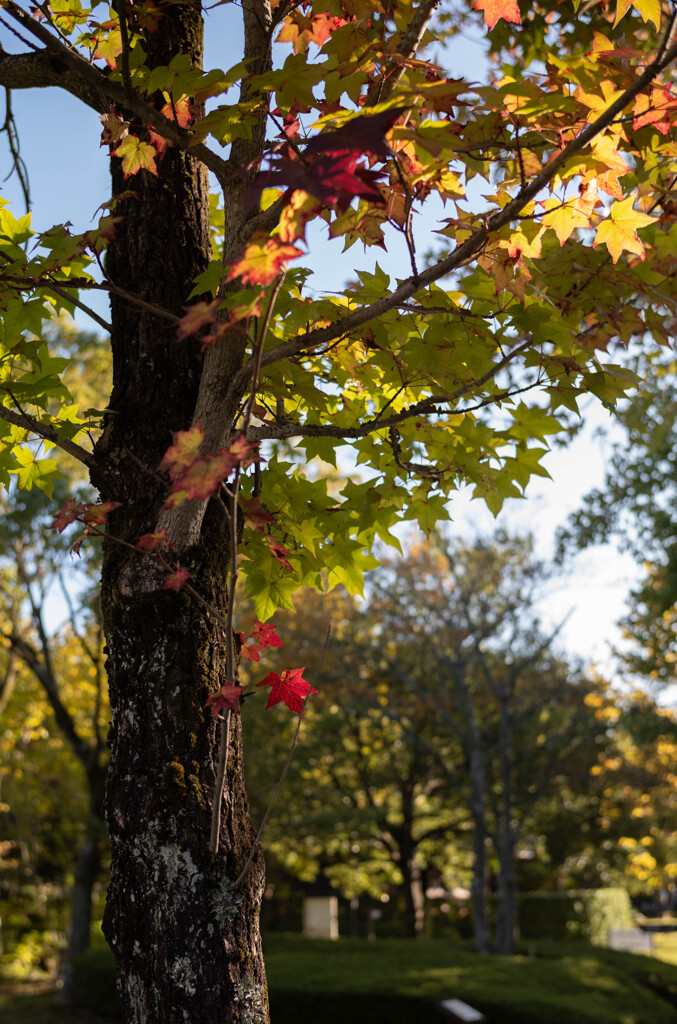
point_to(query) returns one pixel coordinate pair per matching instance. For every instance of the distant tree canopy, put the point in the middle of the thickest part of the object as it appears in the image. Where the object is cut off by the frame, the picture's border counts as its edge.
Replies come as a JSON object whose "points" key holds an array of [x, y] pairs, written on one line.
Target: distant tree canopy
{"points": [[463, 731], [637, 505]]}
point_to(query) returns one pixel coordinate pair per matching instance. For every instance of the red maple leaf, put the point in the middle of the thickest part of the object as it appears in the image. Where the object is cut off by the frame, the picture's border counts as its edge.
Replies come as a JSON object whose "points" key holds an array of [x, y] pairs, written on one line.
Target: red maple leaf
{"points": [[262, 259], [363, 134], [245, 452], [204, 476], [228, 698], [279, 552], [68, 514], [266, 634], [151, 541], [250, 652], [197, 316], [176, 579], [96, 515], [257, 516], [290, 688], [183, 450]]}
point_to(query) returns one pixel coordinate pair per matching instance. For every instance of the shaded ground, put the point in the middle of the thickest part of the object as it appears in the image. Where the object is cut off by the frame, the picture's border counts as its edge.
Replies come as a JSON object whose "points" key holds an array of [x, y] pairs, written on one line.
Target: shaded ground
{"points": [[394, 981], [35, 1002]]}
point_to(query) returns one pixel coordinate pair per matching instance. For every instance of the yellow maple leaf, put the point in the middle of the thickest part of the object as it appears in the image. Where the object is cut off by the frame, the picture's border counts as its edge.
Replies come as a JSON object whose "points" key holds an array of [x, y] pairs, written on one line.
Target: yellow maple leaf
{"points": [[650, 10], [136, 156], [619, 230]]}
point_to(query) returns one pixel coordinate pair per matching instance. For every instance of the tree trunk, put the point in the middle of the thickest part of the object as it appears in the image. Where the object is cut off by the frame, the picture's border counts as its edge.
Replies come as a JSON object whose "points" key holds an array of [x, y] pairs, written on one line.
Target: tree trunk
{"points": [[85, 877], [414, 899], [187, 944], [505, 839], [478, 885]]}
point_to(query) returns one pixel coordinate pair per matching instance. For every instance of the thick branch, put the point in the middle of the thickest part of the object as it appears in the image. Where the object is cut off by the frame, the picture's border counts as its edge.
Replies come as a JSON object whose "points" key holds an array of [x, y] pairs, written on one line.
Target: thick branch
{"points": [[99, 83], [40, 70]]}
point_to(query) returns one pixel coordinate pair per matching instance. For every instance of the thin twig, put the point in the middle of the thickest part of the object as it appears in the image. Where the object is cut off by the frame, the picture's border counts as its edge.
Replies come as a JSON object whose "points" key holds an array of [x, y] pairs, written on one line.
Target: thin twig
{"points": [[47, 433], [224, 737], [283, 776], [81, 305]]}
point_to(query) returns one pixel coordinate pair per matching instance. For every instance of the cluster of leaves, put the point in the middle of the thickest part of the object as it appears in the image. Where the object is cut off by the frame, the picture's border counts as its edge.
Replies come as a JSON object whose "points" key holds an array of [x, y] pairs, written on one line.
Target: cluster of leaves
{"points": [[570, 256], [290, 688]]}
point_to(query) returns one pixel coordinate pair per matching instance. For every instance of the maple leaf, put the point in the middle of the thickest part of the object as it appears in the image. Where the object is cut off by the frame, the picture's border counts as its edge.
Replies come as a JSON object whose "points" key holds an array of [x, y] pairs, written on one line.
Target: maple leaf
{"points": [[262, 259], [280, 553], [290, 688], [182, 111], [135, 156], [152, 541], [159, 141], [115, 128], [245, 452], [266, 634], [619, 230], [176, 579], [251, 652], [650, 10], [257, 516], [228, 698], [197, 316], [494, 10], [203, 477], [183, 450], [108, 47], [68, 514], [96, 515], [363, 134]]}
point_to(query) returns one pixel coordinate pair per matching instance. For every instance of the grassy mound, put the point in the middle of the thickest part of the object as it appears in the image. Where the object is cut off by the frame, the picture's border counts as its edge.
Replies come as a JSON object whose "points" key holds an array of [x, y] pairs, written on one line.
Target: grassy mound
{"points": [[393, 981], [571, 984]]}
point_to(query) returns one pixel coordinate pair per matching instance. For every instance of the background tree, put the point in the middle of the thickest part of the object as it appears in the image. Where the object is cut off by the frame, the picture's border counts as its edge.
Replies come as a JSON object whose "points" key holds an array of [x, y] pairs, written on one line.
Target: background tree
{"points": [[428, 385], [365, 802], [462, 723], [636, 505]]}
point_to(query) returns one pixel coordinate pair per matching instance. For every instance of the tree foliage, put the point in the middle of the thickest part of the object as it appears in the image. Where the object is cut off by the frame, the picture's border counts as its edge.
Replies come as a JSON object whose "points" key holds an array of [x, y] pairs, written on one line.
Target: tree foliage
{"points": [[636, 506]]}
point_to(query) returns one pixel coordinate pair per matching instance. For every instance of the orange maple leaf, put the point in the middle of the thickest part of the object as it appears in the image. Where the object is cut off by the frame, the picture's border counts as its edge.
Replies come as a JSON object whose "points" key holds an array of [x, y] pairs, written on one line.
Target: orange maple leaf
{"points": [[494, 10], [262, 260]]}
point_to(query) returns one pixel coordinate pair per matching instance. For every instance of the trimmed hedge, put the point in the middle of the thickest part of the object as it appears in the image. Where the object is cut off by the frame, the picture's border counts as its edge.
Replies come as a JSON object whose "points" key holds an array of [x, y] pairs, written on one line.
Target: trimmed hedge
{"points": [[586, 915]]}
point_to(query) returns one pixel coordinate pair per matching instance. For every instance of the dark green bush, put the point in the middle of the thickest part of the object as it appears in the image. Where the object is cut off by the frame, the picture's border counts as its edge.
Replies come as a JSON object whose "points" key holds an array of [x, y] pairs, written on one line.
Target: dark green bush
{"points": [[586, 914], [94, 982]]}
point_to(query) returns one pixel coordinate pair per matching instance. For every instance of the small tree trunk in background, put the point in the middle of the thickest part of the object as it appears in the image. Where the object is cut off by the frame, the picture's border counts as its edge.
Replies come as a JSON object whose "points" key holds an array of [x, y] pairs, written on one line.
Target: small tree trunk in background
{"points": [[478, 886], [506, 838], [414, 898]]}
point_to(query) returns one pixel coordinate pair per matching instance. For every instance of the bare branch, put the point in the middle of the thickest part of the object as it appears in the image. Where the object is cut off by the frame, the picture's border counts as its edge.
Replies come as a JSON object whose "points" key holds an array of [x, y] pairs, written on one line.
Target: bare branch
{"points": [[81, 305]]}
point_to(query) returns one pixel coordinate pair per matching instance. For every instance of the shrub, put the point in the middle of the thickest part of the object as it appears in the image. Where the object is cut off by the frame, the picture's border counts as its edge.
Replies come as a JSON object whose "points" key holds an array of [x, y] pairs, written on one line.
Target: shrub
{"points": [[587, 914]]}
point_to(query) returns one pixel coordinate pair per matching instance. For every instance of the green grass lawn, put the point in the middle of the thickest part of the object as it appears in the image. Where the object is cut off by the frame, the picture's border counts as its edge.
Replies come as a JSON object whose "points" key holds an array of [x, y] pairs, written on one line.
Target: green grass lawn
{"points": [[392, 981]]}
